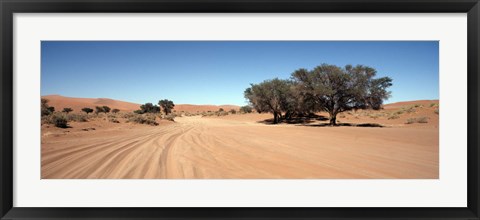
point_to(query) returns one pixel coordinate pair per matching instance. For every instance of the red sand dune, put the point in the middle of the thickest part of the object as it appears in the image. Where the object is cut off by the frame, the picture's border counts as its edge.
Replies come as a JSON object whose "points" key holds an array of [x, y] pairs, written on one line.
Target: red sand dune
{"points": [[203, 108], [409, 103], [60, 102]]}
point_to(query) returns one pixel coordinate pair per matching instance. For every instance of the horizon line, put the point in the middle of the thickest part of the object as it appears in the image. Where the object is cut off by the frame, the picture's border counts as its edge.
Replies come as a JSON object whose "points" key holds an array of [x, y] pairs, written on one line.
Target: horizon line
{"points": [[213, 104]]}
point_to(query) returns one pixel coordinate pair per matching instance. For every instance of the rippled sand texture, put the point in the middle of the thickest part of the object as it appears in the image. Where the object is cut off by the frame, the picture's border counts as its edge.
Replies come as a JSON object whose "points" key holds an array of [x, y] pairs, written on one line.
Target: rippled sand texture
{"points": [[239, 147]]}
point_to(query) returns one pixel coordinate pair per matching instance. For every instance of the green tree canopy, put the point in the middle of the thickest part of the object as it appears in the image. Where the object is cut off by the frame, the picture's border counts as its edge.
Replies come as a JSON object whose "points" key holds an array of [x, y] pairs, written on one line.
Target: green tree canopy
{"points": [[87, 110], [334, 89], [274, 96], [167, 105]]}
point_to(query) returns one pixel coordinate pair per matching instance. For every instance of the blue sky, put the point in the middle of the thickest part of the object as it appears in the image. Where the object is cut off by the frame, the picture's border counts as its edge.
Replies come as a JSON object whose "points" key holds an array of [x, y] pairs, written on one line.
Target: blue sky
{"points": [[217, 72]]}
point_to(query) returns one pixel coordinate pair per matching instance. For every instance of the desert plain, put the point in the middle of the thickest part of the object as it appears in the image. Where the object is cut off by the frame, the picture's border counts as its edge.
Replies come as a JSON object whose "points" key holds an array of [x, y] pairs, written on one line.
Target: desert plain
{"points": [[399, 141]]}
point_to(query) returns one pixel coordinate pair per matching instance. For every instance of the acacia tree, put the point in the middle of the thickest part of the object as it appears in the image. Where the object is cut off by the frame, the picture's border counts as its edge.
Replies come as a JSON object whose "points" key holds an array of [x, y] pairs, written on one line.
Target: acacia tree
{"points": [[272, 96], [334, 89], [106, 109], [166, 105], [87, 110], [99, 109]]}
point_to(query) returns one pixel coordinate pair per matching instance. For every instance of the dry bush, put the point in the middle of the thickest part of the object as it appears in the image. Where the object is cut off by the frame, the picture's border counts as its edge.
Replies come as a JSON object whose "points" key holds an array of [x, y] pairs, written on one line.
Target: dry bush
{"points": [[417, 120], [393, 116], [58, 119], [77, 117], [221, 113], [127, 115], [113, 120], [170, 117], [148, 119], [437, 111]]}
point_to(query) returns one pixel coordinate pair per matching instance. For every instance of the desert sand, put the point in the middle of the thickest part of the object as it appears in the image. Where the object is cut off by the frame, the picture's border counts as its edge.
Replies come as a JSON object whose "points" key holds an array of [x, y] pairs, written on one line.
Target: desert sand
{"points": [[243, 146]]}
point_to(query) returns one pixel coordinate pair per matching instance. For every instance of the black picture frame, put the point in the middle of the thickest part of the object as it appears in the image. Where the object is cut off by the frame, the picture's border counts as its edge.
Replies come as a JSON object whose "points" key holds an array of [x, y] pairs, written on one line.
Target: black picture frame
{"points": [[9, 7]]}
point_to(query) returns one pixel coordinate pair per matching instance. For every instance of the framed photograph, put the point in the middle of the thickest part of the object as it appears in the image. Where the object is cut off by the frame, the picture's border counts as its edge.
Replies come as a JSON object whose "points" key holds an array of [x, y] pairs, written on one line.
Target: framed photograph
{"points": [[231, 109]]}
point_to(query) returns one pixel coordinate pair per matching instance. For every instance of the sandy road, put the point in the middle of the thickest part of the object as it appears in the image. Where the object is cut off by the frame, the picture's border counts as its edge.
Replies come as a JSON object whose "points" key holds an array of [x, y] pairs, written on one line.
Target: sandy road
{"points": [[197, 147]]}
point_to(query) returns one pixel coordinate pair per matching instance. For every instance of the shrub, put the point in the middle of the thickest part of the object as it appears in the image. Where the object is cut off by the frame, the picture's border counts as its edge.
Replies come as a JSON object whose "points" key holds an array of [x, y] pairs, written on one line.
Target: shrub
{"points": [[115, 110], [51, 109], [221, 113], [114, 120], [221, 110], [170, 117], [433, 105], [394, 116], [437, 111], [246, 109], [77, 117], [417, 120], [128, 115], [174, 114], [59, 120], [148, 119], [410, 109], [233, 111], [422, 120], [67, 110]]}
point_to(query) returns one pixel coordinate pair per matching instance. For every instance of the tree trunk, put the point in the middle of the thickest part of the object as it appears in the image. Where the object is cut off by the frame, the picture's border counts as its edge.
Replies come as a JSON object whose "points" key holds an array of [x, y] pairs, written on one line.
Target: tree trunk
{"points": [[333, 119], [275, 117]]}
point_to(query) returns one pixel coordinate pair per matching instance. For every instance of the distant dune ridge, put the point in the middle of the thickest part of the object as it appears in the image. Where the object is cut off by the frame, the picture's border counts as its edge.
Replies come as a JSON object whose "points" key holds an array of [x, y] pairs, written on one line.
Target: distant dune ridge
{"points": [[60, 102]]}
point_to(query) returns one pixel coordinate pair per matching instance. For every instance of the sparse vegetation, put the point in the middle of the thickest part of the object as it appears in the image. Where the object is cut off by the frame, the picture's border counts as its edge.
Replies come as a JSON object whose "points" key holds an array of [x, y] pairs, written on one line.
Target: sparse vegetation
{"points": [[148, 119], [77, 117], [417, 120], [67, 110], [58, 119], [246, 109], [113, 120], [170, 117], [221, 113], [393, 116]]}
